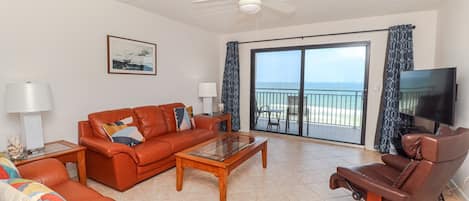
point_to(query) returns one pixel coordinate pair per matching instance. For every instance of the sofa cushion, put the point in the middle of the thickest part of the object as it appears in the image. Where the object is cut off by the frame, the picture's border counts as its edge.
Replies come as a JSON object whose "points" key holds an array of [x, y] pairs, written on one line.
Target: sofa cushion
{"points": [[183, 119], [32, 189], [8, 169], [179, 141], [152, 151], [151, 120], [168, 110], [98, 119], [121, 132]]}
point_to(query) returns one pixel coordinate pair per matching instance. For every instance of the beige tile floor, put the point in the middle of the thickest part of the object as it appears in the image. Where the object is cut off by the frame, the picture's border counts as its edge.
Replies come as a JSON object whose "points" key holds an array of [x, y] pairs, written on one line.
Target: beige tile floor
{"points": [[298, 170]]}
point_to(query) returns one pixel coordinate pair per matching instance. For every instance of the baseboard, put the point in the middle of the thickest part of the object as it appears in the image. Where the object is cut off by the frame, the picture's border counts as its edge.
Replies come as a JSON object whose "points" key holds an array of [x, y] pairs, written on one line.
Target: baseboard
{"points": [[459, 191]]}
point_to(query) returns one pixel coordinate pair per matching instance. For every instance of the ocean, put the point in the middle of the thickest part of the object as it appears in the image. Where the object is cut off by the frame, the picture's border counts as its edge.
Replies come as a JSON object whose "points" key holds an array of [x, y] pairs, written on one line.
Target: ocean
{"points": [[312, 85], [328, 103]]}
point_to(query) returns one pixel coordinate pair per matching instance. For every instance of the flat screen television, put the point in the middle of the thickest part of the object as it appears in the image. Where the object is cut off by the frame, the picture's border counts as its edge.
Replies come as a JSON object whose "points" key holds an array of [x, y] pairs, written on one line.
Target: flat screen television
{"points": [[429, 94]]}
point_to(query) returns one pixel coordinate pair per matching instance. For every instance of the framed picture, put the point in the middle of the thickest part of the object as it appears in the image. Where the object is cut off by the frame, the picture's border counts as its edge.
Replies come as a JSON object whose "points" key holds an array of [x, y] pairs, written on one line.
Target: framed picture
{"points": [[127, 56]]}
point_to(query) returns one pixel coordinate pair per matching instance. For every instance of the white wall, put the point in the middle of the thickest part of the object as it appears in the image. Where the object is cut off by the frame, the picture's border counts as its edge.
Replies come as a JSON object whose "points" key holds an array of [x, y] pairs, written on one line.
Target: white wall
{"points": [[453, 50], [424, 43], [64, 43]]}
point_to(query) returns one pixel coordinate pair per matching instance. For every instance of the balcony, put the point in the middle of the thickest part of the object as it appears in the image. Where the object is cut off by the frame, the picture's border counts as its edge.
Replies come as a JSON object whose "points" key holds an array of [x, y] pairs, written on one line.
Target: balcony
{"points": [[328, 114]]}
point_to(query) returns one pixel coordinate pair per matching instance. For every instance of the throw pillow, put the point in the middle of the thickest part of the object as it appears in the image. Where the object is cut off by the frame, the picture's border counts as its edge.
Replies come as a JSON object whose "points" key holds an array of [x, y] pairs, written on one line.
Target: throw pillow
{"points": [[183, 119], [8, 169], [190, 111], [27, 190], [121, 132]]}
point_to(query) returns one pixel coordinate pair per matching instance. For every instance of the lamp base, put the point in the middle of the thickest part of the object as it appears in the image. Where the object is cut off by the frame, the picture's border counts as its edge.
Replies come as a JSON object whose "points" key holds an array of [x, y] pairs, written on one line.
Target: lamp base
{"points": [[32, 130], [208, 105]]}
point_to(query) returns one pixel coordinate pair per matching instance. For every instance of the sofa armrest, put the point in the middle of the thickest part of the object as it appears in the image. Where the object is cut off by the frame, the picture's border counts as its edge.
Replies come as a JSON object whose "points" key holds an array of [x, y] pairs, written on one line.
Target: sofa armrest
{"points": [[395, 161], [372, 185], [49, 171], [108, 149], [207, 122]]}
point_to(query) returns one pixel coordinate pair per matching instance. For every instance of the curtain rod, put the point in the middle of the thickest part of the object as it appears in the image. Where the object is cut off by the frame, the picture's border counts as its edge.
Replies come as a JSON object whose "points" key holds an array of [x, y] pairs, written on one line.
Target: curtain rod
{"points": [[318, 35]]}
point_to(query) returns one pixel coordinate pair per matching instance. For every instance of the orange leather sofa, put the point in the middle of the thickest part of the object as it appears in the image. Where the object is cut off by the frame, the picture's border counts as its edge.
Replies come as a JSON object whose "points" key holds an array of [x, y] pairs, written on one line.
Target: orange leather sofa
{"points": [[52, 173], [120, 166]]}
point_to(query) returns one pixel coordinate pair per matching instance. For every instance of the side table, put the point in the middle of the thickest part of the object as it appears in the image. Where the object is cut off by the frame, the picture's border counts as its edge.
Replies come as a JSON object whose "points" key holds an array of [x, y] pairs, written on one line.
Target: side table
{"points": [[65, 152], [223, 117]]}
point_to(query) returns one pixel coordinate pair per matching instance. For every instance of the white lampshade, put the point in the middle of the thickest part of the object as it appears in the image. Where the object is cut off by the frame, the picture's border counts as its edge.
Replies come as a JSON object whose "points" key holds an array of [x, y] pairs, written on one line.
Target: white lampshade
{"points": [[208, 89], [28, 97]]}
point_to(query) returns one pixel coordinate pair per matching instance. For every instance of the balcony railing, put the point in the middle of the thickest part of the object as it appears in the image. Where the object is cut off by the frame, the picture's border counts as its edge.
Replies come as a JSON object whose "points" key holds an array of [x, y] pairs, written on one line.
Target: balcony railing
{"points": [[324, 107]]}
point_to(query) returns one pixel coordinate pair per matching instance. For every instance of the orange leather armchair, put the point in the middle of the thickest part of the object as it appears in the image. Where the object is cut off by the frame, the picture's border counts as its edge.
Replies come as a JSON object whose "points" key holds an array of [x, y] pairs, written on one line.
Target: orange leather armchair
{"points": [[52, 173], [433, 161]]}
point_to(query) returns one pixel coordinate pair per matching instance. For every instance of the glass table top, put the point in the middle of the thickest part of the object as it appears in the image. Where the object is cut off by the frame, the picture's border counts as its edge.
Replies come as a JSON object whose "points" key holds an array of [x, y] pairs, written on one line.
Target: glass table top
{"points": [[49, 149], [224, 147]]}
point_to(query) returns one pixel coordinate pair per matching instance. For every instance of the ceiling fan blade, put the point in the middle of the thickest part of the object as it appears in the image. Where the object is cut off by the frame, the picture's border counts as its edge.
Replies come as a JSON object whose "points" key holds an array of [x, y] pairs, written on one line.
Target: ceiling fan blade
{"points": [[279, 6]]}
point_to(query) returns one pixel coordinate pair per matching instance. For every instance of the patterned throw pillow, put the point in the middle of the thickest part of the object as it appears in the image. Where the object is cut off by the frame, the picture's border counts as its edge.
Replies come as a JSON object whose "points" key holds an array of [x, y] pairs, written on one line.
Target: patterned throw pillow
{"points": [[8, 169], [121, 132], [183, 119], [26, 190], [190, 111]]}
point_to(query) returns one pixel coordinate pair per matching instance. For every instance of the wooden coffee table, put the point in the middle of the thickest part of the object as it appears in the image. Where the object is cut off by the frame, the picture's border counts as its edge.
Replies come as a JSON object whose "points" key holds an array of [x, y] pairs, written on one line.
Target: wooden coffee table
{"points": [[212, 156]]}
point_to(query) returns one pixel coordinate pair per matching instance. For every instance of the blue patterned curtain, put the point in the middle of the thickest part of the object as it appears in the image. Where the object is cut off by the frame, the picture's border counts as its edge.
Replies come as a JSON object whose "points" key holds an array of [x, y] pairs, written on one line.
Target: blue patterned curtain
{"points": [[400, 57], [230, 89]]}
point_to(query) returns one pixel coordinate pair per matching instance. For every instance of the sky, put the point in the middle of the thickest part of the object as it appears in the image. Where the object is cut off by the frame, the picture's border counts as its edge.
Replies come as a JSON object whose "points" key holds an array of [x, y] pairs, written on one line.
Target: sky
{"points": [[326, 65]]}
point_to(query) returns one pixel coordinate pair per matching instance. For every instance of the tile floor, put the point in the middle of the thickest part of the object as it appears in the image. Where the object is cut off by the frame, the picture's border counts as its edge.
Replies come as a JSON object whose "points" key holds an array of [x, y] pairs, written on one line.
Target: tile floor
{"points": [[298, 170]]}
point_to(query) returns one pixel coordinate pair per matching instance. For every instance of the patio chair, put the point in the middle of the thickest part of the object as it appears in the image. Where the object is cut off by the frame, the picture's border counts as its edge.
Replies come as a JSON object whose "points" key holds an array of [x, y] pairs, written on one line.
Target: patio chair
{"points": [[266, 109], [259, 111], [293, 110]]}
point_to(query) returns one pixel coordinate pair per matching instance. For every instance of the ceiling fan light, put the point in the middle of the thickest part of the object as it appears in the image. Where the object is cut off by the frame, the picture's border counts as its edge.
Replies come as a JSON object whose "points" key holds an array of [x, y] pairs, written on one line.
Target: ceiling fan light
{"points": [[250, 6]]}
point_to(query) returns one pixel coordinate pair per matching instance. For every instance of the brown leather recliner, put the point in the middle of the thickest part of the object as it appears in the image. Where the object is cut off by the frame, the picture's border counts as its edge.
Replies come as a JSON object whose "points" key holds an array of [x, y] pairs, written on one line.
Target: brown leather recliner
{"points": [[433, 161]]}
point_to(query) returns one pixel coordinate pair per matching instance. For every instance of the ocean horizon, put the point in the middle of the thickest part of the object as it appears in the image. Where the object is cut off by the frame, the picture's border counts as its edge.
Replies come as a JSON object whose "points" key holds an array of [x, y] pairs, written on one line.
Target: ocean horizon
{"points": [[355, 86]]}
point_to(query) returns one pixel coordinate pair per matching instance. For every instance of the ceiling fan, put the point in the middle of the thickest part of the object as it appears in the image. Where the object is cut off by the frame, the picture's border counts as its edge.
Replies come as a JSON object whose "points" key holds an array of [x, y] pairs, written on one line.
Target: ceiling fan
{"points": [[252, 7]]}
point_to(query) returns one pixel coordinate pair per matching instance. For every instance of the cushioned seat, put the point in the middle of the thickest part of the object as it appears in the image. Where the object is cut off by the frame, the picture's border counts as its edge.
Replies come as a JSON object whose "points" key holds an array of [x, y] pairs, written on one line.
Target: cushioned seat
{"points": [[152, 150], [79, 192], [376, 171], [202, 135], [179, 141]]}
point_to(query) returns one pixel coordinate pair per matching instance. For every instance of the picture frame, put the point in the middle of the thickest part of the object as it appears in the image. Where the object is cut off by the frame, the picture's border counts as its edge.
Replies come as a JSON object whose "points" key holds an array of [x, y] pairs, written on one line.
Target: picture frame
{"points": [[128, 56]]}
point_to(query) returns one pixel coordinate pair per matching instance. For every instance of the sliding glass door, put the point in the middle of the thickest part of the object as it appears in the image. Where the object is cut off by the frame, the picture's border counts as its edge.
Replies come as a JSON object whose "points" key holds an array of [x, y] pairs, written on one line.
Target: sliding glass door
{"points": [[311, 91], [278, 78]]}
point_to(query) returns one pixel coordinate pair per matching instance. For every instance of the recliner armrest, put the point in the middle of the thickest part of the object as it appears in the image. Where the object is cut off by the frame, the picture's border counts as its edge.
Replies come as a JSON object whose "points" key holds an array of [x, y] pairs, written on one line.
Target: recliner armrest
{"points": [[395, 161], [371, 185], [206, 122], [411, 144], [108, 149], [49, 171]]}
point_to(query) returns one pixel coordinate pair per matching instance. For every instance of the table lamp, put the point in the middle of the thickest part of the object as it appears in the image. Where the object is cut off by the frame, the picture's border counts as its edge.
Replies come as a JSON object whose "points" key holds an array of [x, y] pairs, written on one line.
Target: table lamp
{"points": [[207, 91], [29, 99]]}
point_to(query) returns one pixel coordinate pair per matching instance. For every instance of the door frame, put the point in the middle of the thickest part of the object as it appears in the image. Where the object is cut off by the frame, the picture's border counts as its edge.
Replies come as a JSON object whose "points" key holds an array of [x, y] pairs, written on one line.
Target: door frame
{"points": [[303, 48]]}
